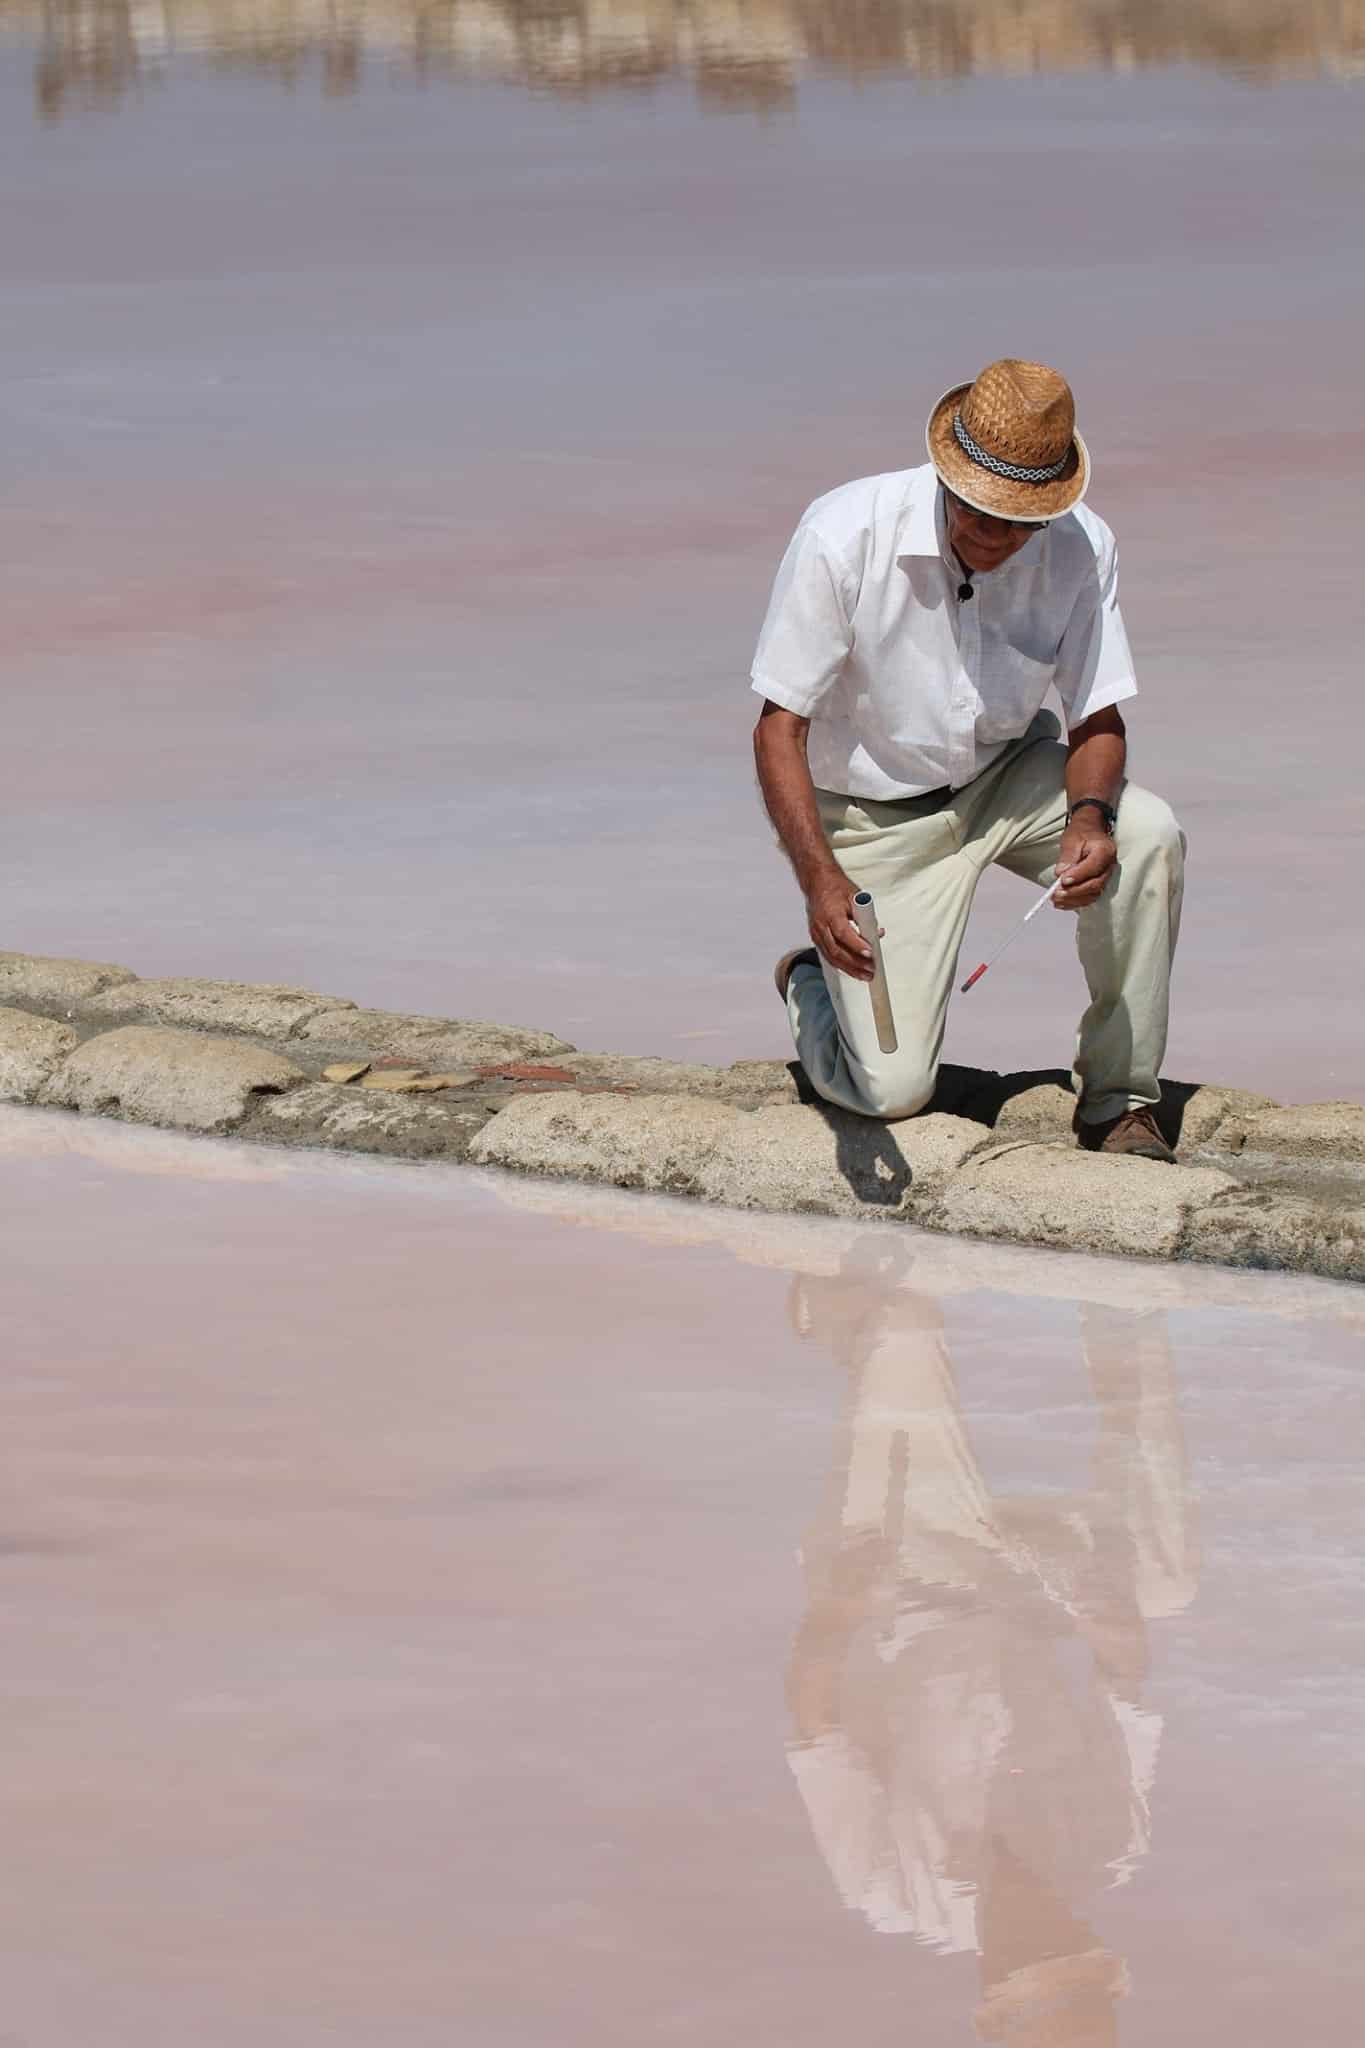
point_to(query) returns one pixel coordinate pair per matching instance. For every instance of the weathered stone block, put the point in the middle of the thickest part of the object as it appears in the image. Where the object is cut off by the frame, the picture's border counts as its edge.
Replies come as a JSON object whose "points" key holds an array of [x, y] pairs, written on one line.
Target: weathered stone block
{"points": [[1190, 1116], [774, 1079], [790, 1157], [749, 1084], [1040, 1113], [1330, 1131], [1077, 1201], [260, 1008], [345, 1120], [35, 978], [1210, 1116], [431, 1041], [1272, 1228], [151, 1075], [31, 1050]]}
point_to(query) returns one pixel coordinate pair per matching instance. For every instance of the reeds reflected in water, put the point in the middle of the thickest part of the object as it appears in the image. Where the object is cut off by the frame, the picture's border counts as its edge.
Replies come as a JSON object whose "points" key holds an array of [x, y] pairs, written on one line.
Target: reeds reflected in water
{"points": [[736, 53]]}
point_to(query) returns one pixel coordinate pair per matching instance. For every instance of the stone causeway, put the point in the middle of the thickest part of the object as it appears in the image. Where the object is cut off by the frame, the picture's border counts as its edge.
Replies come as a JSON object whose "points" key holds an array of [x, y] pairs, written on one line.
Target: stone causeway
{"points": [[1259, 1183]]}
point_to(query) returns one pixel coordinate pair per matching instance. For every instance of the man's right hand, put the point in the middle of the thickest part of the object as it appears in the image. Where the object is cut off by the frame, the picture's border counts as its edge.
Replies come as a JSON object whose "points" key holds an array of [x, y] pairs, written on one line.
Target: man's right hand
{"points": [[829, 915], [789, 793]]}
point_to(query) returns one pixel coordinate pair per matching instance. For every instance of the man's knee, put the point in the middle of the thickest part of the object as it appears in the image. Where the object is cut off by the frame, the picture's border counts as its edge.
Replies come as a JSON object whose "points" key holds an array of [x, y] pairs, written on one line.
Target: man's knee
{"points": [[900, 1089], [1148, 825]]}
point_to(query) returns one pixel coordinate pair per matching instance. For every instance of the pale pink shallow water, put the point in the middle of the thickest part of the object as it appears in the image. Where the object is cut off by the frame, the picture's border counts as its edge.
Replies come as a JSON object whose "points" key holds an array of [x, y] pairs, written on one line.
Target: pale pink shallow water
{"points": [[445, 1610], [391, 488], [448, 1610]]}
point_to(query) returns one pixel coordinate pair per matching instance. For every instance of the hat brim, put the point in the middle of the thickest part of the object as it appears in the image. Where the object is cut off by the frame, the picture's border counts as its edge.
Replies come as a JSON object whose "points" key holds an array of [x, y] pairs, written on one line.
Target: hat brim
{"points": [[1000, 495]]}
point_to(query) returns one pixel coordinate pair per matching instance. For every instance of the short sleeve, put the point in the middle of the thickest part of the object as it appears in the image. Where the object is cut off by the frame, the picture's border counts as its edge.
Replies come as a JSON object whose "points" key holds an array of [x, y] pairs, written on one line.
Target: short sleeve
{"points": [[1094, 661], [807, 634]]}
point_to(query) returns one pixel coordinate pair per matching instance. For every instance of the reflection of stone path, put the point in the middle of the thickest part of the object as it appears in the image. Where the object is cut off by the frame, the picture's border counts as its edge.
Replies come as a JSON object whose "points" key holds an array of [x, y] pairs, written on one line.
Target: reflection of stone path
{"points": [[969, 1737], [993, 1157], [736, 54]]}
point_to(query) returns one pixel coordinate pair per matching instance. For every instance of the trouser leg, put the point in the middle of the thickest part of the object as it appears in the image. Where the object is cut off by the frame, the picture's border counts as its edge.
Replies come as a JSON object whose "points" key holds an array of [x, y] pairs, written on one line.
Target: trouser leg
{"points": [[908, 855], [1126, 941]]}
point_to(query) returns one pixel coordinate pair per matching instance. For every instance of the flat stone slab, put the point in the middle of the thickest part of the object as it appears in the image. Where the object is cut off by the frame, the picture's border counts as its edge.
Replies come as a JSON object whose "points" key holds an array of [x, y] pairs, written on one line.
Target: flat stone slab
{"points": [[434, 1042], [31, 1050], [789, 1157], [1212, 1116], [263, 1010], [150, 1074], [345, 1120], [1040, 1113], [1328, 1131], [1273, 1229], [35, 978], [749, 1083], [1078, 1201]]}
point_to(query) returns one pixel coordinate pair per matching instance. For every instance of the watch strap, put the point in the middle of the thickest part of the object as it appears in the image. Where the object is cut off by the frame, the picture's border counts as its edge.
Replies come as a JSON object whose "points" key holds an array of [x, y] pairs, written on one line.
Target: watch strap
{"points": [[1106, 811]]}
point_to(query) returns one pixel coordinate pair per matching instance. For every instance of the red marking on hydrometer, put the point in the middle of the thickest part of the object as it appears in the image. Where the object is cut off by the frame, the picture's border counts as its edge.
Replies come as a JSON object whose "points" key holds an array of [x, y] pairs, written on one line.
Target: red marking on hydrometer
{"points": [[974, 977]]}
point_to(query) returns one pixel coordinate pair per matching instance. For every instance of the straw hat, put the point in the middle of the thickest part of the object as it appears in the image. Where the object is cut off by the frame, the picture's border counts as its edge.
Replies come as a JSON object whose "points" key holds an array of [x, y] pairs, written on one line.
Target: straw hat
{"points": [[1008, 443]]}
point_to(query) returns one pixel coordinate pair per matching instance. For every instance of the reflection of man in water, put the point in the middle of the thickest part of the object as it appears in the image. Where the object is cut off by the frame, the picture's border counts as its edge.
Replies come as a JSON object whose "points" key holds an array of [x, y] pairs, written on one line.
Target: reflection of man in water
{"points": [[965, 1683]]}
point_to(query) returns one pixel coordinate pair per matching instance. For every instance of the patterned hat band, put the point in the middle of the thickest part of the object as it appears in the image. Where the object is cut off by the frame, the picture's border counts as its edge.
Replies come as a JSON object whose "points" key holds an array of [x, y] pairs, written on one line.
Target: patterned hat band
{"points": [[1015, 471]]}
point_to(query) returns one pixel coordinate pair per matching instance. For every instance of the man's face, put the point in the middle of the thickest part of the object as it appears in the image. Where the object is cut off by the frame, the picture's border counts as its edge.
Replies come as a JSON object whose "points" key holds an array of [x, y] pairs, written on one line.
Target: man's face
{"points": [[980, 541]]}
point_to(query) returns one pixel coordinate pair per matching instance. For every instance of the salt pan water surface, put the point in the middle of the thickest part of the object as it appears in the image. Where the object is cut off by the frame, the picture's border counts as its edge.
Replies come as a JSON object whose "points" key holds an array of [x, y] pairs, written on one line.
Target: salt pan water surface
{"points": [[653, 1625], [445, 1610], [393, 474]]}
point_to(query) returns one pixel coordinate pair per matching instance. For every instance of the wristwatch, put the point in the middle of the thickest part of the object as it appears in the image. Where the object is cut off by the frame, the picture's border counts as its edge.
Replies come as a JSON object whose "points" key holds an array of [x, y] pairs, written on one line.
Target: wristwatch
{"points": [[1106, 811]]}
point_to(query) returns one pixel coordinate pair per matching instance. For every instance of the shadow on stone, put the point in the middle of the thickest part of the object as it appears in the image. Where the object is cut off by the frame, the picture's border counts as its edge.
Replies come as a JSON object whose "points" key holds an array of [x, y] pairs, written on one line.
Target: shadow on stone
{"points": [[1175, 1100], [867, 1156], [983, 1097], [971, 1092]]}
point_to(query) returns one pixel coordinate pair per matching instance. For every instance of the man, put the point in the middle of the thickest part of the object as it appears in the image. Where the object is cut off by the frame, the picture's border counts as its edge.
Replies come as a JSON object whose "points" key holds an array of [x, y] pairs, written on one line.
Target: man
{"points": [[917, 622]]}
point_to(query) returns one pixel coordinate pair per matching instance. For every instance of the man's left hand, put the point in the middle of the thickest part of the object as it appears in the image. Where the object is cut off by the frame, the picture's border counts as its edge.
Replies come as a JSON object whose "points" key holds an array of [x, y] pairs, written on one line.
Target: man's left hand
{"points": [[1084, 864]]}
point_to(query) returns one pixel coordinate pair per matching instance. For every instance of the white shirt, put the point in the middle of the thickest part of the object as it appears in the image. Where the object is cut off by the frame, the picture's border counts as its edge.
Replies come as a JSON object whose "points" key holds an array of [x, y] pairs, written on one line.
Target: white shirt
{"points": [[906, 688]]}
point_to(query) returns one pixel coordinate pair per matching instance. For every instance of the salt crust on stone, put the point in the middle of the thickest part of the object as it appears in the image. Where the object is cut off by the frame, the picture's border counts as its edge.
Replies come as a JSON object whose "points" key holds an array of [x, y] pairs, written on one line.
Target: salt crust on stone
{"points": [[264, 1010], [435, 1041], [398, 1126], [1220, 1113], [750, 1083], [153, 1075], [31, 1049], [790, 1157], [1314, 1130], [1042, 1112], [1255, 1227], [1078, 1201], [35, 978]]}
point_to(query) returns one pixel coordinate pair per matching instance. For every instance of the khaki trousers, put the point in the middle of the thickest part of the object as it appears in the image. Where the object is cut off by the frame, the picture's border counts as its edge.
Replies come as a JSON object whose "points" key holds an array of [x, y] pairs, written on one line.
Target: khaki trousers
{"points": [[922, 859]]}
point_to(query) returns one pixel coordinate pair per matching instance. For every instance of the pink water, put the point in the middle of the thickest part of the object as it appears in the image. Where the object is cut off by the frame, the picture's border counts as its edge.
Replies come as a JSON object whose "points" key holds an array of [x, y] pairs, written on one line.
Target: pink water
{"points": [[443, 1609], [448, 1609], [392, 485]]}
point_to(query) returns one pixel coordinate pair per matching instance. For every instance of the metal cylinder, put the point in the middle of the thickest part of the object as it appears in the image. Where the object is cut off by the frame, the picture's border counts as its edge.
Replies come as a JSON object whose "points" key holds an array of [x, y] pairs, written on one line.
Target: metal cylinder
{"points": [[865, 917]]}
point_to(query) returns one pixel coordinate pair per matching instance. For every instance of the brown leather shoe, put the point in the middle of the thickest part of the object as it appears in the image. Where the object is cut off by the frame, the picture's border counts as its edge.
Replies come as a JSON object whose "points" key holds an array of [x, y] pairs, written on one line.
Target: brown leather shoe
{"points": [[1134, 1135], [782, 973]]}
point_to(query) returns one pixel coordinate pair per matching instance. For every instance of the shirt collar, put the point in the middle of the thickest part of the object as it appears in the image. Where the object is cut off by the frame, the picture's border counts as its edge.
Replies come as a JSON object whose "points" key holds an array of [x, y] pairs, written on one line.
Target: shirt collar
{"points": [[926, 528], [922, 528]]}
